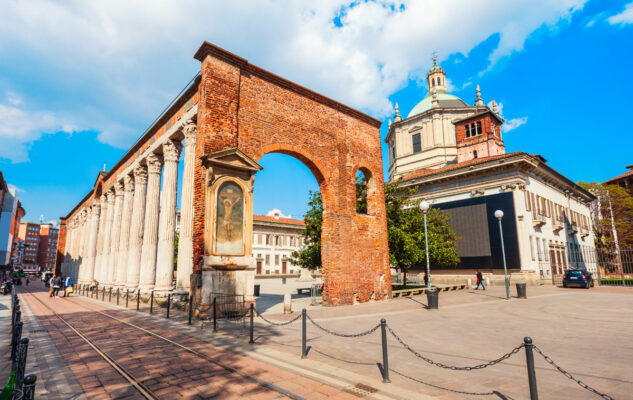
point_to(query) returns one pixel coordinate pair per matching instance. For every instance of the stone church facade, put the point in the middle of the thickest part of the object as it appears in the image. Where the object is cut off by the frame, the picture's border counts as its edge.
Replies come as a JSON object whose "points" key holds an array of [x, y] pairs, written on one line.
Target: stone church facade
{"points": [[454, 155]]}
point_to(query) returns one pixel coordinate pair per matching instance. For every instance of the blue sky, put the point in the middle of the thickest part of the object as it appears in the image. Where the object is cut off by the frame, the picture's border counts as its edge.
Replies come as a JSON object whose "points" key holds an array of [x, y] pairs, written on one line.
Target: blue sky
{"points": [[80, 81]]}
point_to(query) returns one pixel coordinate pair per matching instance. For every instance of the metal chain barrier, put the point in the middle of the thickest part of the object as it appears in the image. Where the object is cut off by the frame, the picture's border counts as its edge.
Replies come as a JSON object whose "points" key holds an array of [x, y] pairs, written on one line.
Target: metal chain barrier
{"points": [[452, 367], [351, 335], [277, 323], [570, 376], [443, 388]]}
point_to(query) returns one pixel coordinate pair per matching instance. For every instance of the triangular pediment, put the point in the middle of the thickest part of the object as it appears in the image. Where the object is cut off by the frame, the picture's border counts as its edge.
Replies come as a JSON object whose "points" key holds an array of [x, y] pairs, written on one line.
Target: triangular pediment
{"points": [[231, 158]]}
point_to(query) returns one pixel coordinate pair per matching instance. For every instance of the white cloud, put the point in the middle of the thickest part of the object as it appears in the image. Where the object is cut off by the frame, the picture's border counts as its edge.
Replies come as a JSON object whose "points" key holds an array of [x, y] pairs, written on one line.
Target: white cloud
{"points": [[277, 212], [19, 127], [623, 18], [116, 64], [514, 123]]}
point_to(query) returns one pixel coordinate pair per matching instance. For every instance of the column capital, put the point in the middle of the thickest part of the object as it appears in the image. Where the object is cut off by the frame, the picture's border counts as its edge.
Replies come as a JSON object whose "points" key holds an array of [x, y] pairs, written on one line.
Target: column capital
{"points": [[171, 150], [154, 163], [96, 209], [140, 174], [118, 188], [190, 129], [110, 196], [103, 199], [129, 183]]}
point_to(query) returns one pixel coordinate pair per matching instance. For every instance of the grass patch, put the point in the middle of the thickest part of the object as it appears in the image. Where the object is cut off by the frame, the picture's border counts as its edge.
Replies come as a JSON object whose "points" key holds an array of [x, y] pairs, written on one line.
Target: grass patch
{"points": [[403, 287]]}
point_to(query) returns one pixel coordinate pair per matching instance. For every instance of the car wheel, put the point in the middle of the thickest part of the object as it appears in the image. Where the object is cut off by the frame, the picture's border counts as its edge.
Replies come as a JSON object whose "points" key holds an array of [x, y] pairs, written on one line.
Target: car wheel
{"points": [[564, 285], [592, 283], [588, 285]]}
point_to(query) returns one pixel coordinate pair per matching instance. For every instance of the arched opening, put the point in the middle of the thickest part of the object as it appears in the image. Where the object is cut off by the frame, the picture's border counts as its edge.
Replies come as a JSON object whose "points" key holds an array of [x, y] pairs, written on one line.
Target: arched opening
{"points": [[287, 217], [361, 180]]}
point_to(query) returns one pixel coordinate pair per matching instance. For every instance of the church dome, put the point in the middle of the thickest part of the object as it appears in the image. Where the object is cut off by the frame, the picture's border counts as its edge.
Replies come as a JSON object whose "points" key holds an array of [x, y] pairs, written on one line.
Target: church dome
{"points": [[444, 99]]}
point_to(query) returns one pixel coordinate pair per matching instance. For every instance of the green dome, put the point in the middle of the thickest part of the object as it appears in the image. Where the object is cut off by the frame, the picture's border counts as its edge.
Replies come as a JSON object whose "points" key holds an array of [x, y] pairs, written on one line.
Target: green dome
{"points": [[444, 99]]}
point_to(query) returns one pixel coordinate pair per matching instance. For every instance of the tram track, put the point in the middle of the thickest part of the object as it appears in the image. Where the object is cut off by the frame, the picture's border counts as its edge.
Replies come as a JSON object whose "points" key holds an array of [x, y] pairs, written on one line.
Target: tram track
{"points": [[135, 382]]}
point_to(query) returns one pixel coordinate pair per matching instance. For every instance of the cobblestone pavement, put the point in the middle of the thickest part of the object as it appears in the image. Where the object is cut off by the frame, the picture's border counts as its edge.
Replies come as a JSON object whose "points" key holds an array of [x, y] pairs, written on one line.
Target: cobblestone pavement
{"points": [[165, 369]]}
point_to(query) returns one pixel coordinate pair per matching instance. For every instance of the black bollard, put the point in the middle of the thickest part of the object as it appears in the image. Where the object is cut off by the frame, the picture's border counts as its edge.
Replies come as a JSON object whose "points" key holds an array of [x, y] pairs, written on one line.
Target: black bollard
{"points": [[127, 296], [138, 300], [215, 317], [117, 296], [529, 358], [21, 362], [168, 304], [385, 357], [103, 294], [304, 352], [15, 340], [28, 389], [110, 295], [190, 307], [252, 318], [151, 302]]}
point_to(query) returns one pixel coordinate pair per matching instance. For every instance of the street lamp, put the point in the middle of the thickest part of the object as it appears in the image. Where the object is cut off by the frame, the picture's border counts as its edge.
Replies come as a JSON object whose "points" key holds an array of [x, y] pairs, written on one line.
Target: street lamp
{"points": [[499, 215], [424, 206]]}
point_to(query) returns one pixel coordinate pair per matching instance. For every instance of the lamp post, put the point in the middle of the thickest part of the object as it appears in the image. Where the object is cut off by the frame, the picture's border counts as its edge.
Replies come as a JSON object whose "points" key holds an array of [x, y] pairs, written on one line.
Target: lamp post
{"points": [[424, 206], [499, 215]]}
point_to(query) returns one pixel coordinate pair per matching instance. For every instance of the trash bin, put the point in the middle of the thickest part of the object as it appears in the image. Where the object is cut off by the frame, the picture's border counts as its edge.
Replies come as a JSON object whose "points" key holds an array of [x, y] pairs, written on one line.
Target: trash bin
{"points": [[256, 291], [521, 290], [432, 297]]}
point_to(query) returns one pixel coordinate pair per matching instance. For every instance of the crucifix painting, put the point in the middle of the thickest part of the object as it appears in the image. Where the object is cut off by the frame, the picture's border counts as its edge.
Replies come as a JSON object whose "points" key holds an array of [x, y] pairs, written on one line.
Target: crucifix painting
{"points": [[229, 231]]}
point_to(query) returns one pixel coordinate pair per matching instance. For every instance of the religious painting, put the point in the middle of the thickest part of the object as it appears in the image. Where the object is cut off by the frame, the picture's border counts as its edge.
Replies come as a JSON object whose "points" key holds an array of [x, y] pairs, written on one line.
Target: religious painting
{"points": [[229, 228]]}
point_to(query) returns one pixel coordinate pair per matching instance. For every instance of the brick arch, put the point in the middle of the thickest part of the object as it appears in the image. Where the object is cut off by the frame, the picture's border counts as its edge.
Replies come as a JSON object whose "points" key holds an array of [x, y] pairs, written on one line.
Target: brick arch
{"points": [[245, 107], [373, 197]]}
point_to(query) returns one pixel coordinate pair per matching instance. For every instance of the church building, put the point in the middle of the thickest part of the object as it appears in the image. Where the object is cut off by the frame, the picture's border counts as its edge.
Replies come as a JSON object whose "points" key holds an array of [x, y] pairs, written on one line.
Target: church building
{"points": [[454, 155]]}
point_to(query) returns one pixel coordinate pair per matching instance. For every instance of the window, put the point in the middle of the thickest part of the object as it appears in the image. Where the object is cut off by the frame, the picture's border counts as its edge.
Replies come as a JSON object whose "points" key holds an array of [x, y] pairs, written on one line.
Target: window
{"points": [[475, 154], [545, 258], [479, 130], [467, 130], [439, 82], [532, 248], [540, 253], [417, 143], [528, 205], [393, 152], [277, 259], [433, 82], [268, 240], [267, 259]]}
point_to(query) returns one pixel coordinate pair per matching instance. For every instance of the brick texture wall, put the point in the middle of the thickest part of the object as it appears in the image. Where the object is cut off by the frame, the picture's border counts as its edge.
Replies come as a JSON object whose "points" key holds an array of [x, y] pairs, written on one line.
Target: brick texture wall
{"points": [[249, 108], [489, 143]]}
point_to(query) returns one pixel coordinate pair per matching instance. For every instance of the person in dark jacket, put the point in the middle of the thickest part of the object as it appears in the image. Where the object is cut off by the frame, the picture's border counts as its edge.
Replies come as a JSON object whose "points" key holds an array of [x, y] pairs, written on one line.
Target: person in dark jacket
{"points": [[480, 280]]}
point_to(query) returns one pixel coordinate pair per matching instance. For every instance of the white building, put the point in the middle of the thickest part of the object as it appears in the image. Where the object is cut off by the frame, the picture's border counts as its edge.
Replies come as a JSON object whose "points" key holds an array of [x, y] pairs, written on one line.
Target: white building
{"points": [[274, 239], [454, 155]]}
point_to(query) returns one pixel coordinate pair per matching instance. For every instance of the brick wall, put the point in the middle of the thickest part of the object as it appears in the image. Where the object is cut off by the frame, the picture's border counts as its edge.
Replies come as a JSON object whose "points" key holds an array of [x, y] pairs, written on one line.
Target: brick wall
{"points": [[489, 143], [249, 108]]}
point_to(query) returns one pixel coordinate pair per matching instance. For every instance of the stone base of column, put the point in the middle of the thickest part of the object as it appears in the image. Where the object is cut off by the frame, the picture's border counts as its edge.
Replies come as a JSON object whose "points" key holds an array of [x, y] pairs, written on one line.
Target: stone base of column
{"points": [[146, 288], [306, 276]]}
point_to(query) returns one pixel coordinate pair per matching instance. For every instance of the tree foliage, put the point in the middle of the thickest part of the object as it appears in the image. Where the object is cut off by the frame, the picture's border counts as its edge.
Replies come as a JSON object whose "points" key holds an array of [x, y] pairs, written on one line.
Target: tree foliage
{"points": [[310, 255], [613, 201], [405, 224]]}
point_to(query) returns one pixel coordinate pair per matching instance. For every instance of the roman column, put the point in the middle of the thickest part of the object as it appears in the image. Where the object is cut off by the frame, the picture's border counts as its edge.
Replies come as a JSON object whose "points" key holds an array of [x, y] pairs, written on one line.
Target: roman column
{"points": [[115, 231], [124, 237], [82, 245], [106, 259], [185, 242], [91, 254], [167, 218], [136, 226], [97, 269], [67, 247], [150, 231]]}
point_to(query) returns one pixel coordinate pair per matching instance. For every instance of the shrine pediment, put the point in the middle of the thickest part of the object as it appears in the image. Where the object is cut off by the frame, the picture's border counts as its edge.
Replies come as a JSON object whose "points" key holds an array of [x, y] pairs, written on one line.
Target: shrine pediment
{"points": [[232, 159]]}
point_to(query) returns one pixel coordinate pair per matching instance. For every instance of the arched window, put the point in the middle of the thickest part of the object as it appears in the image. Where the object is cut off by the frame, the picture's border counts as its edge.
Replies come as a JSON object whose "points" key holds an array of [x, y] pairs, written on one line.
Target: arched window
{"points": [[439, 82], [467, 130], [432, 82], [362, 183], [475, 154], [479, 131]]}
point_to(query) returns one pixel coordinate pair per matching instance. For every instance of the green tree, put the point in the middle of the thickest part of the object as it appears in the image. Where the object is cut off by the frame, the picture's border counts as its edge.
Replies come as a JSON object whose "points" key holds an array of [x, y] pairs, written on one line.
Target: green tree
{"points": [[310, 255], [613, 201], [405, 225]]}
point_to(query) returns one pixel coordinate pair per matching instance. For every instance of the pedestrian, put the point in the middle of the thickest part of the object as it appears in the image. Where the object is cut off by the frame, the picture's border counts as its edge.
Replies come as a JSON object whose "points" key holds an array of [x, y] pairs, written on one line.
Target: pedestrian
{"points": [[51, 282], [27, 281], [480, 280], [68, 286], [57, 283]]}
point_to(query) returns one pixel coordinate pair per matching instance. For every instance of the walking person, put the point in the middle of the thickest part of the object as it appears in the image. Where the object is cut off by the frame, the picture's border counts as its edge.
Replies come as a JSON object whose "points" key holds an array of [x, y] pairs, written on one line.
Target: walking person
{"points": [[68, 286], [51, 288], [27, 281], [57, 283], [480, 280]]}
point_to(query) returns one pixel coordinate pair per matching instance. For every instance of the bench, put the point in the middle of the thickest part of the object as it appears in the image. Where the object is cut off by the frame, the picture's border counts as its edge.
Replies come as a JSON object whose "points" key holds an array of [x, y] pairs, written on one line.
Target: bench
{"points": [[304, 289]]}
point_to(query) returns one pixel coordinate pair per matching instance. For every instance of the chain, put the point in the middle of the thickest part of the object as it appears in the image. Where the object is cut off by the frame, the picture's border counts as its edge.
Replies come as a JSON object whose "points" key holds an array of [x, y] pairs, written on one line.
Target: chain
{"points": [[443, 388], [277, 323], [570, 376], [347, 335], [452, 367]]}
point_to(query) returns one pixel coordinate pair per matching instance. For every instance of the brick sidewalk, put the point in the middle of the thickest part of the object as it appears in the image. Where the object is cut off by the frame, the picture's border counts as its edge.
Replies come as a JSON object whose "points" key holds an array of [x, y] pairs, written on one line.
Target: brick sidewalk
{"points": [[168, 371]]}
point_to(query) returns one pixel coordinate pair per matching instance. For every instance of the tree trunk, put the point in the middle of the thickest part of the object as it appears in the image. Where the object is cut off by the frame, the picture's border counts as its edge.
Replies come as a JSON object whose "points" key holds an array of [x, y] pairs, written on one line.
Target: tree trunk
{"points": [[404, 280]]}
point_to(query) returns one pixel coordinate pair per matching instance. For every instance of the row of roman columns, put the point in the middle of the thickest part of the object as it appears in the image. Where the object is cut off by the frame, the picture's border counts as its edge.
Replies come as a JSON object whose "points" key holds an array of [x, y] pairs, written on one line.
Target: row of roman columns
{"points": [[126, 239]]}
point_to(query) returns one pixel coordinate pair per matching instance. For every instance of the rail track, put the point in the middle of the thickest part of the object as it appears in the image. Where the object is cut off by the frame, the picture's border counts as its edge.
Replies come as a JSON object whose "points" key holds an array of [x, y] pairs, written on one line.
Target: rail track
{"points": [[134, 381]]}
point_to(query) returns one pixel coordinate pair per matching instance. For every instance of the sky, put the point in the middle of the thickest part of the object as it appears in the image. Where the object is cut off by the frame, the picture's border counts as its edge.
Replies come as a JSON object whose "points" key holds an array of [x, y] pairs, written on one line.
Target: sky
{"points": [[81, 81]]}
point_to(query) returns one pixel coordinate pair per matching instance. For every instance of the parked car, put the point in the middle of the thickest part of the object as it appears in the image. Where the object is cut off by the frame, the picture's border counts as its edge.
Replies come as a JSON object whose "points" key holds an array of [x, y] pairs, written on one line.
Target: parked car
{"points": [[578, 277]]}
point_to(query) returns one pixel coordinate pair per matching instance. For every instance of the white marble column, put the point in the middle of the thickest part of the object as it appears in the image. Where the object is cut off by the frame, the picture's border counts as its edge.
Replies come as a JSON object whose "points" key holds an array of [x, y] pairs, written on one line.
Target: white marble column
{"points": [[103, 213], [106, 259], [124, 234], [167, 219], [136, 226], [150, 231], [185, 241], [91, 254], [67, 245], [115, 231], [73, 250], [81, 249]]}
